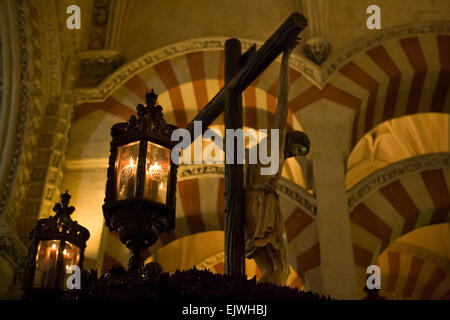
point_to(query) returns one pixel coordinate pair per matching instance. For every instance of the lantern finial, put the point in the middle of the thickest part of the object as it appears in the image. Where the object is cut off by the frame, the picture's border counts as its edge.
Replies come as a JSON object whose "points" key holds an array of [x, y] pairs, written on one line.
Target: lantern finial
{"points": [[65, 198], [63, 208], [150, 98]]}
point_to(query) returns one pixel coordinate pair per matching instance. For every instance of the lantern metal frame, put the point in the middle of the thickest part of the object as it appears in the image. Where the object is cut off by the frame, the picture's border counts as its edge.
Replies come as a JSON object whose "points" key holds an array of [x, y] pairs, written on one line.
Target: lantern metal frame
{"points": [[139, 221], [62, 228]]}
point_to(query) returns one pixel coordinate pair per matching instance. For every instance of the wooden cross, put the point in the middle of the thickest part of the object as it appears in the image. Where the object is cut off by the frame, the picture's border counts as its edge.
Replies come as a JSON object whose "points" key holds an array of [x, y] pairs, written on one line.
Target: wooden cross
{"points": [[240, 72]]}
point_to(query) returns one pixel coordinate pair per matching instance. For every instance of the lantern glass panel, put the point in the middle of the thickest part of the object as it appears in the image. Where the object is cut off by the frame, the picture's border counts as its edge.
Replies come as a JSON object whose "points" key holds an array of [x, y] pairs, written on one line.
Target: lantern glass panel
{"points": [[45, 275], [126, 170], [156, 173], [71, 255]]}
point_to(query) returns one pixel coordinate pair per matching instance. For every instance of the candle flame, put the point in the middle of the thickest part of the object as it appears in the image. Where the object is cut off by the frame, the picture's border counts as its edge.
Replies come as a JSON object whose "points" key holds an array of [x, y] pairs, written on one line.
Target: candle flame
{"points": [[161, 186], [53, 246], [131, 161], [155, 172]]}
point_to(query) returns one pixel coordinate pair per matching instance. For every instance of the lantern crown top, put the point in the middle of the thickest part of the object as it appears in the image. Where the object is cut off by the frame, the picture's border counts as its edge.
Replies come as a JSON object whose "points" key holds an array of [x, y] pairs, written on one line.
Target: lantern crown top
{"points": [[65, 198], [150, 98], [61, 225], [62, 208], [149, 119]]}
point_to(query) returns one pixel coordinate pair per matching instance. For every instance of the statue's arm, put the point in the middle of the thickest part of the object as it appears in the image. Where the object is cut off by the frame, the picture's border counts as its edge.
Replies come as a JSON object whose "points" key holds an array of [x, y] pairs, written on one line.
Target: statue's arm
{"points": [[281, 112], [283, 92]]}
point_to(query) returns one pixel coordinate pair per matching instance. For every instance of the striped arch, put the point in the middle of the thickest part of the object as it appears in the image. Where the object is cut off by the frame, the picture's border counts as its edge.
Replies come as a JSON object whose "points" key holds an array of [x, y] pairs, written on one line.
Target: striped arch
{"points": [[396, 200], [396, 78], [395, 140], [409, 272], [401, 77], [186, 83]]}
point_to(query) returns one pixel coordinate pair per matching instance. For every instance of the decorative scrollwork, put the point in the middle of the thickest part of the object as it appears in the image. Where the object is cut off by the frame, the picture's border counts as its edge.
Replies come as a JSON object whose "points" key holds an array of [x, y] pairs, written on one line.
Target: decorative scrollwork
{"points": [[149, 118], [61, 223]]}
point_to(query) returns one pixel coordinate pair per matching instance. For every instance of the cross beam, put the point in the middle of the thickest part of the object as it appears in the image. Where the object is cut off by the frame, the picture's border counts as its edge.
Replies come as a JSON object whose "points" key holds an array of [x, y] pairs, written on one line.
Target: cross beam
{"points": [[240, 72], [257, 62], [234, 172]]}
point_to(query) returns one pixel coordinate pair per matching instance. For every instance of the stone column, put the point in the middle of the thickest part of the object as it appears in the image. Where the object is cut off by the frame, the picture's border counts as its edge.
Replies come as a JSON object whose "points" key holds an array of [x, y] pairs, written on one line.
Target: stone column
{"points": [[329, 127], [336, 253]]}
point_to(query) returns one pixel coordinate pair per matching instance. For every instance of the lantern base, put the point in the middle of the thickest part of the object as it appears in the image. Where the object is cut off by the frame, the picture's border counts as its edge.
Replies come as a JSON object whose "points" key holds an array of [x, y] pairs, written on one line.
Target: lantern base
{"points": [[139, 224]]}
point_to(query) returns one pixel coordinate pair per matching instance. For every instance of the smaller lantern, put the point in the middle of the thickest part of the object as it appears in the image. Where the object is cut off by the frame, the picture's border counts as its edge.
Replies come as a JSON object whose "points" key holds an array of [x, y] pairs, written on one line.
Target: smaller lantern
{"points": [[141, 186], [57, 244]]}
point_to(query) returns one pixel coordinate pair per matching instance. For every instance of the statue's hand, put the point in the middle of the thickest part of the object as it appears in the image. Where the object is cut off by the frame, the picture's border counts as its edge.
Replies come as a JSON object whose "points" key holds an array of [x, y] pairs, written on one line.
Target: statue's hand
{"points": [[293, 43]]}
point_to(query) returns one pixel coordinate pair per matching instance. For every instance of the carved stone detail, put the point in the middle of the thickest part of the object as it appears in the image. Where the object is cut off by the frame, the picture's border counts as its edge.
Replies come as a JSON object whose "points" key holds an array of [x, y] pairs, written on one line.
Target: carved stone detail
{"points": [[14, 249], [149, 118], [97, 33], [95, 65], [393, 172], [317, 49], [21, 122], [45, 99]]}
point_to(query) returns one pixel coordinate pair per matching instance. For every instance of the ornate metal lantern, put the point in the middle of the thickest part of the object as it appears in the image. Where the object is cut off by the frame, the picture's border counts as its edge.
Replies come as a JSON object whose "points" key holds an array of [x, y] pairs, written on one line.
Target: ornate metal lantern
{"points": [[57, 243], [141, 185]]}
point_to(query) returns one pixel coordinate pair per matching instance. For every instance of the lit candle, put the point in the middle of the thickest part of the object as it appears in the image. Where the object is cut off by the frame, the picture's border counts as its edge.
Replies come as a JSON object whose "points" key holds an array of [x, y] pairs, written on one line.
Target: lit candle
{"points": [[51, 251], [51, 256], [128, 180], [153, 181]]}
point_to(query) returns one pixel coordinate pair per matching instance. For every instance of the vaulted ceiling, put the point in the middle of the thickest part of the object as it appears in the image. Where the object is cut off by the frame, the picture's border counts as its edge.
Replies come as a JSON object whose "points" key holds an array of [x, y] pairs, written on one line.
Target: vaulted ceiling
{"points": [[368, 83]]}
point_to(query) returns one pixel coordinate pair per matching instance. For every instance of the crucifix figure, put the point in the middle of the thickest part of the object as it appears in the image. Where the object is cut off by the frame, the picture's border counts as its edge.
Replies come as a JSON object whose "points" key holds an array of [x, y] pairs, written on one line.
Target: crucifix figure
{"points": [[240, 71], [265, 236]]}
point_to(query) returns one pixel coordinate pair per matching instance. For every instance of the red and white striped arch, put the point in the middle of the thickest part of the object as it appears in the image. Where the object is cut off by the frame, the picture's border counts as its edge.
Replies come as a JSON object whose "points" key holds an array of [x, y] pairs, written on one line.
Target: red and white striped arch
{"points": [[401, 204], [400, 77], [408, 272], [186, 83]]}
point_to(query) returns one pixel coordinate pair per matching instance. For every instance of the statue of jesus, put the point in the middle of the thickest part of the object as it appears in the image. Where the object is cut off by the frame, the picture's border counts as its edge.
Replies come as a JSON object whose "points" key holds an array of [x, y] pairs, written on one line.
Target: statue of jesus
{"points": [[265, 236]]}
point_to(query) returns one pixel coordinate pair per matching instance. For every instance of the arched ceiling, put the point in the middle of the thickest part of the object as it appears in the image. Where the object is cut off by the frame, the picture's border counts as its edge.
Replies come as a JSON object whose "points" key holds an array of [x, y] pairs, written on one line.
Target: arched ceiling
{"points": [[370, 77], [342, 22], [396, 78], [186, 83], [405, 196], [396, 140], [160, 23], [416, 265]]}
